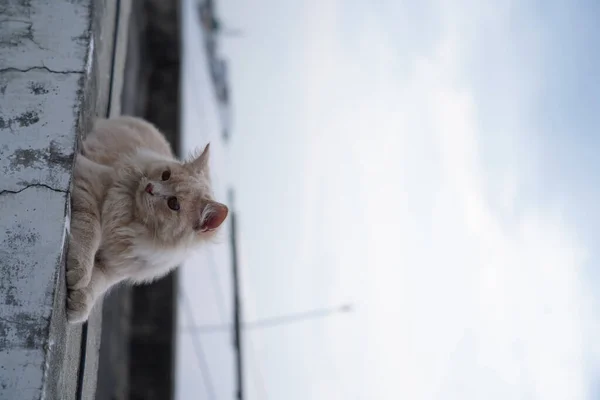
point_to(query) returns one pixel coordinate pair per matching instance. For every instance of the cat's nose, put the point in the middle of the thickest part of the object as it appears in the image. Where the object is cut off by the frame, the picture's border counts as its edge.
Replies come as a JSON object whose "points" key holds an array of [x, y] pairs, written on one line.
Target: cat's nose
{"points": [[149, 189]]}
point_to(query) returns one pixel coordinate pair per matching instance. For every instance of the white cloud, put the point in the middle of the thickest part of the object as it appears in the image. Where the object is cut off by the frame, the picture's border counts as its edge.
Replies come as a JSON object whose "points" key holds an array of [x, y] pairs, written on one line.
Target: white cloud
{"points": [[453, 271], [462, 301], [463, 290]]}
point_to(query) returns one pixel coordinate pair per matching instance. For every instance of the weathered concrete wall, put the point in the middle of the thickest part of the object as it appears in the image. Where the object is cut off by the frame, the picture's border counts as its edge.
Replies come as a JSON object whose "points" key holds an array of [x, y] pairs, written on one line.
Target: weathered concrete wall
{"points": [[56, 60]]}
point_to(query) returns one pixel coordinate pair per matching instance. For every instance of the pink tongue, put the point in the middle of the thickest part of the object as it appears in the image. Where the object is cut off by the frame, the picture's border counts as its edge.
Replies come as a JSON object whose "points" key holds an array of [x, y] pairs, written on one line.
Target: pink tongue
{"points": [[149, 188]]}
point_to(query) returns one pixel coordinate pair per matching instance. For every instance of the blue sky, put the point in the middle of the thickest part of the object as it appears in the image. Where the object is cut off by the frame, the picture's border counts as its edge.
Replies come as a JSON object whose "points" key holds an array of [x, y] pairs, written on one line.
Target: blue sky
{"points": [[432, 162]]}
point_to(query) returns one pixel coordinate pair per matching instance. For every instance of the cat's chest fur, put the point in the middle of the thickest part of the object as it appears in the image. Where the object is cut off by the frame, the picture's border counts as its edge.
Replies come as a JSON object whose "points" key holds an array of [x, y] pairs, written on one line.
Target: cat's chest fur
{"points": [[154, 262]]}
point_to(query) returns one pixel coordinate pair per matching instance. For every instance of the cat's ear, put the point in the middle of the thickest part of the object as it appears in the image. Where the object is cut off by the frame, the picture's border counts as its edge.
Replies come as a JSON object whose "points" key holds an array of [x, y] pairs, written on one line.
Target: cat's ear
{"points": [[212, 216], [200, 163]]}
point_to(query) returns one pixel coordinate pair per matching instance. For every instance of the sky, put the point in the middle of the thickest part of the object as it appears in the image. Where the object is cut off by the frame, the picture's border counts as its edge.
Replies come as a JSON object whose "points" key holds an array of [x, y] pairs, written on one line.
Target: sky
{"points": [[432, 163]]}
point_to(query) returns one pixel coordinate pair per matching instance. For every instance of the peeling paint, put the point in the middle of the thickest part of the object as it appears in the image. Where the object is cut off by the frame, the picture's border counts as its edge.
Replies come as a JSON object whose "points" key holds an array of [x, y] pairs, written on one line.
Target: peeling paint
{"points": [[10, 298], [27, 118], [20, 8], [15, 32], [37, 88], [16, 239], [24, 330], [41, 158], [24, 119]]}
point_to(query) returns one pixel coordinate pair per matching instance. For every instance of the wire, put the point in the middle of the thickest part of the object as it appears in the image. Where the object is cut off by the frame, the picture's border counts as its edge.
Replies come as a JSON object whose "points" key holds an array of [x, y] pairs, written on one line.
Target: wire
{"points": [[259, 380], [200, 356], [274, 321], [218, 291]]}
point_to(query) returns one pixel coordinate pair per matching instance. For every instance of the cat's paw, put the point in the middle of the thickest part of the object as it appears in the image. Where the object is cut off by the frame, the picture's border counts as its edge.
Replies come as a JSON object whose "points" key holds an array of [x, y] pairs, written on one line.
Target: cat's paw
{"points": [[79, 305], [78, 274]]}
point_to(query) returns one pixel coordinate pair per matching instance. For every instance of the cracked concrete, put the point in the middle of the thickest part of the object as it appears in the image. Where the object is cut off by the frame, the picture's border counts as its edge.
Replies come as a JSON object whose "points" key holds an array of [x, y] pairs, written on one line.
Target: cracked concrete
{"points": [[42, 67], [39, 130], [29, 34], [33, 185], [50, 82]]}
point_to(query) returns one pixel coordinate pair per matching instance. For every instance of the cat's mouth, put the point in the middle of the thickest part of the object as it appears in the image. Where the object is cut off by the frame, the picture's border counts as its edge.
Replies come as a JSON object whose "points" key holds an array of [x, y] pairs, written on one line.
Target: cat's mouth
{"points": [[149, 189]]}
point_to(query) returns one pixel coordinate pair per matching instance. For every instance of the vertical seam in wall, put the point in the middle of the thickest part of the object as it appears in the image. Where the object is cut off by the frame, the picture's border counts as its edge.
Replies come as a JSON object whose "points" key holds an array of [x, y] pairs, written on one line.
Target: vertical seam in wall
{"points": [[82, 357], [114, 56]]}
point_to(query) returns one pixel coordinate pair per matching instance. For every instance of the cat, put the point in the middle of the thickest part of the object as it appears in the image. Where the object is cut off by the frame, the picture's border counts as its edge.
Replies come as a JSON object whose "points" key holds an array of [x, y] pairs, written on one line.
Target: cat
{"points": [[136, 211]]}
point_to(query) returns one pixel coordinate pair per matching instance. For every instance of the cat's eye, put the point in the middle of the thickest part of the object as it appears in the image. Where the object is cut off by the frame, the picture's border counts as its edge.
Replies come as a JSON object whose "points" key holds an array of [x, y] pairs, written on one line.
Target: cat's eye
{"points": [[173, 203], [166, 175]]}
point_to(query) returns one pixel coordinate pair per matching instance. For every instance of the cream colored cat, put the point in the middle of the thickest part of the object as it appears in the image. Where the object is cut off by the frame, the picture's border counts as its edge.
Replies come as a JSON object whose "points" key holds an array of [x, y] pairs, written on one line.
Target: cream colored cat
{"points": [[137, 212]]}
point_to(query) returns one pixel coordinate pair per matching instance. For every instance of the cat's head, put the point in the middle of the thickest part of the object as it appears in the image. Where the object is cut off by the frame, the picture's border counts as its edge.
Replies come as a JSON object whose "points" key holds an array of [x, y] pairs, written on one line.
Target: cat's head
{"points": [[175, 200]]}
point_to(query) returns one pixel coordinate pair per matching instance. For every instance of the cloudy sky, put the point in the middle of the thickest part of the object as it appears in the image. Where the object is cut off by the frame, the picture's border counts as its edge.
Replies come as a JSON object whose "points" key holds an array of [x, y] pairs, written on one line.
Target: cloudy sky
{"points": [[432, 162]]}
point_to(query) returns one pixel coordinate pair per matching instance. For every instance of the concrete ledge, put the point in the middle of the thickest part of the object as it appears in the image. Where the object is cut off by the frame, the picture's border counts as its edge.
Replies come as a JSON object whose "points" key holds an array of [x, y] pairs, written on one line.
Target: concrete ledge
{"points": [[56, 63]]}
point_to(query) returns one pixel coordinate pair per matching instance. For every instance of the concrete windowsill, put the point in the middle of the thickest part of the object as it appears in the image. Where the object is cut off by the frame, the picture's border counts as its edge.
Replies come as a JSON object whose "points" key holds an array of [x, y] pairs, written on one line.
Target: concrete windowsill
{"points": [[56, 75]]}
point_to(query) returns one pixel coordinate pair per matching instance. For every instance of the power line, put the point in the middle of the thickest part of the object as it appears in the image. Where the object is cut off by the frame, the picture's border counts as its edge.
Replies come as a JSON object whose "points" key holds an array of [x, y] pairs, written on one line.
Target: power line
{"points": [[259, 379], [257, 375], [214, 274], [200, 356], [273, 321], [237, 309]]}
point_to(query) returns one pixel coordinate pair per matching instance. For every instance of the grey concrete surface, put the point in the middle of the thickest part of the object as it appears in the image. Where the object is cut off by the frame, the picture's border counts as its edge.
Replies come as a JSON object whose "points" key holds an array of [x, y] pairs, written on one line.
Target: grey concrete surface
{"points": [[56, 60]]}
